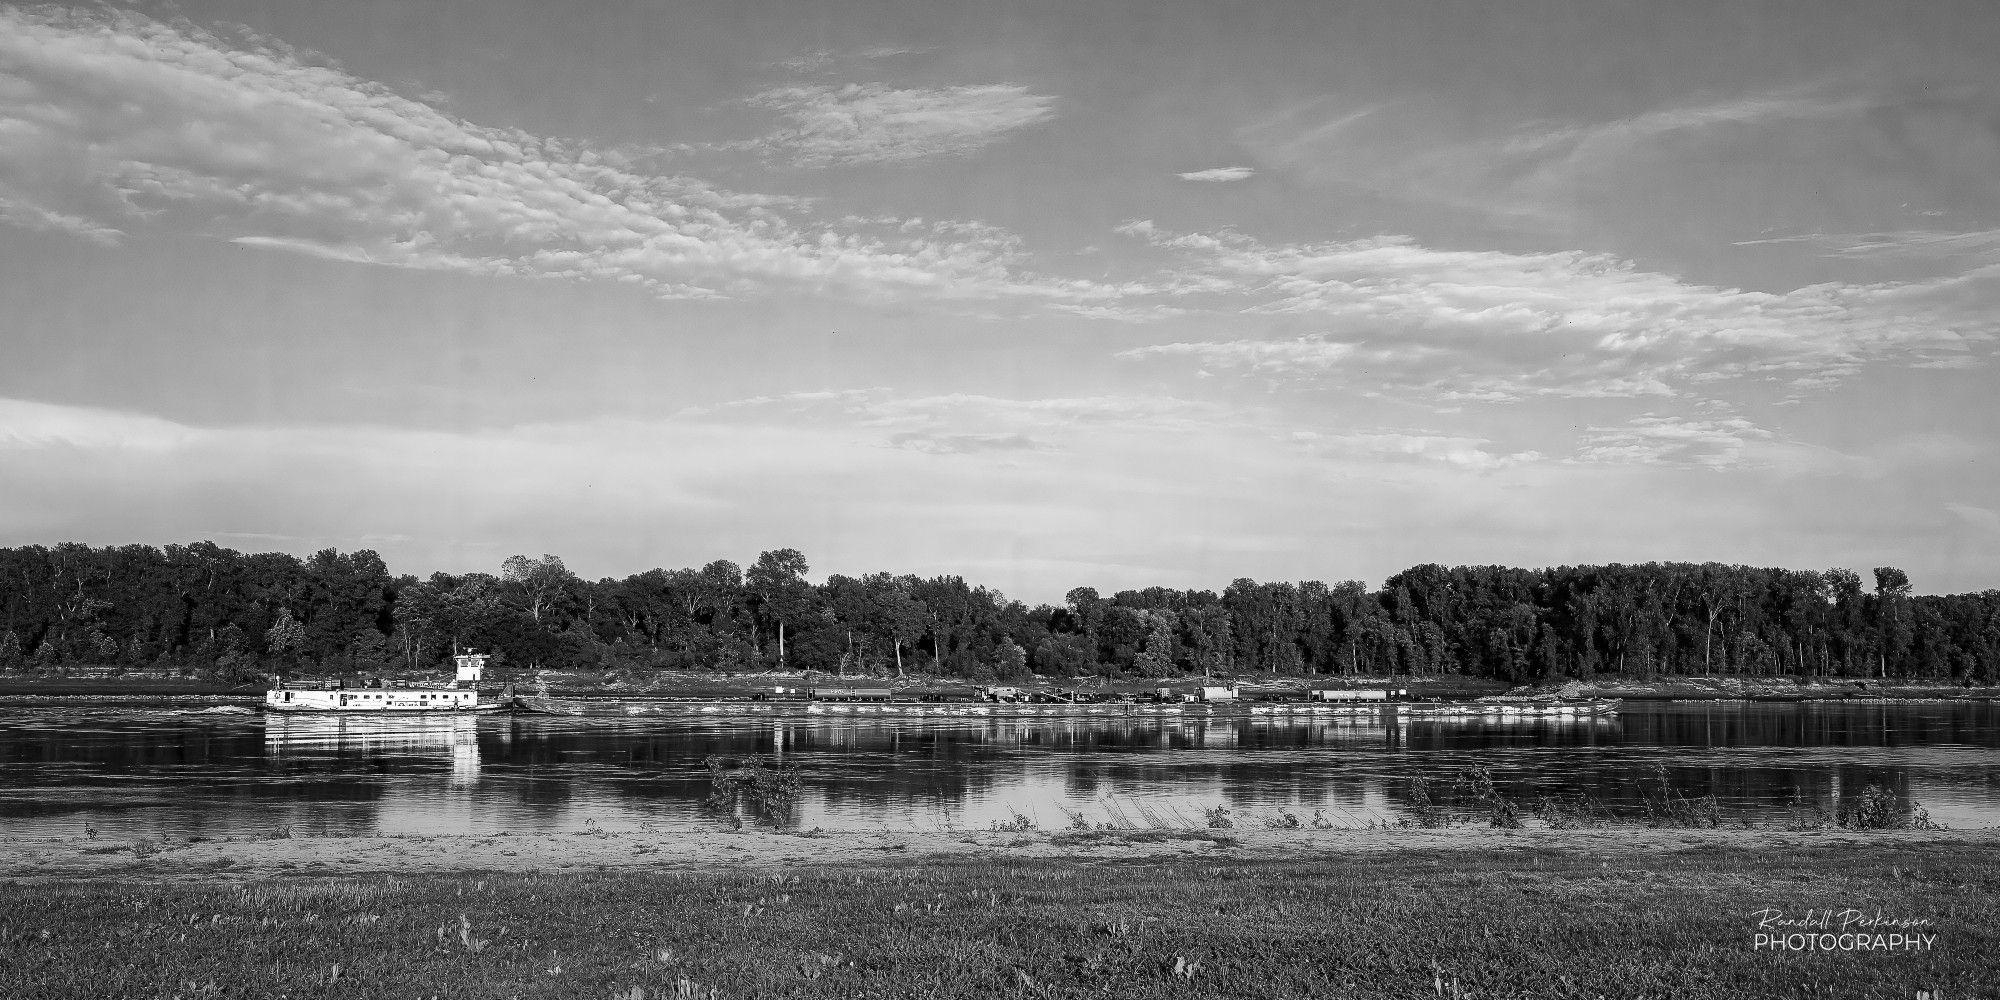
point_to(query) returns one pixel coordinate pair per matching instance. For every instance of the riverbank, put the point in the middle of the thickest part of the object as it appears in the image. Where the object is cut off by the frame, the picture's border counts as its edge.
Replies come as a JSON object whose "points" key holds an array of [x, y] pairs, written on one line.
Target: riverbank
{"points": [[1456, 913], [702, 684], [1764, 689], [710, 847], [153, 686]]}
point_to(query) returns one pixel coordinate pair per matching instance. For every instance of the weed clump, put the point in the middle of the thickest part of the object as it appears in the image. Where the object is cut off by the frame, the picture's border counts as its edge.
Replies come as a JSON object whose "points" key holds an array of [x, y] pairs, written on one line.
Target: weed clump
{"points": [[1801, 815], [1876, 808], [770, 794], [1477, 784], [1019, 822], [1872, 808], [1579, 813], [1667, 807], [1425, 812]]}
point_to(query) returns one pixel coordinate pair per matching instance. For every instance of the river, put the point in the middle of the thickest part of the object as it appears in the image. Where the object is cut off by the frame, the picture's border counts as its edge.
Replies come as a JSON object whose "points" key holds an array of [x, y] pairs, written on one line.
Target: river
{"points": [[193, 769]]}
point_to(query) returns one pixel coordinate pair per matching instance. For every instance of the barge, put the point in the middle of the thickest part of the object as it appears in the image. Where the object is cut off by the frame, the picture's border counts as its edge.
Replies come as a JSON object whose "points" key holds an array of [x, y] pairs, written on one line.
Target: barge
{"points": [[1005, 702]]}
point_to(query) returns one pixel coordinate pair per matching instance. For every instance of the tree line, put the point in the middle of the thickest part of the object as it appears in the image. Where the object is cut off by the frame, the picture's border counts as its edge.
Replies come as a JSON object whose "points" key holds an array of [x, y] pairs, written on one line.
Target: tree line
{"points": [[207, 608]]}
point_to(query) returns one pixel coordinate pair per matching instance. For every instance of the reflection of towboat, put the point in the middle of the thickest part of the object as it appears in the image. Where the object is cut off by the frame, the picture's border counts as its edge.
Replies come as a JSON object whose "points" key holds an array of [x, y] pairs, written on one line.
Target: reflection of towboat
{"points": [[456, 734], [461, 696], [373, 732]]}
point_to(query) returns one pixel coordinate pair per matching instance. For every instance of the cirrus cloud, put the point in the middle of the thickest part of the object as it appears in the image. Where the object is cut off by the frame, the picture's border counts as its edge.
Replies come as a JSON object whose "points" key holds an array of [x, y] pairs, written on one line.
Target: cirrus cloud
{"points": [[875, 123], [1219, 175], [1652, 439], [1499, 326], [114, 121]]}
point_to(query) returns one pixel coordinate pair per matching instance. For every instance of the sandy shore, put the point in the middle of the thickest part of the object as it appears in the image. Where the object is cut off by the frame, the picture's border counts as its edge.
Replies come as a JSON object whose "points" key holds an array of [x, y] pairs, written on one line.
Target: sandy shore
{"points": [[38, 859]]}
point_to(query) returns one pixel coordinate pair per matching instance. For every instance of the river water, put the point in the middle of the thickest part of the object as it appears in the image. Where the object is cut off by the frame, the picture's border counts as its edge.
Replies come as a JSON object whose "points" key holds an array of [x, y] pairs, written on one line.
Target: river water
{"points": [[191, 769]]}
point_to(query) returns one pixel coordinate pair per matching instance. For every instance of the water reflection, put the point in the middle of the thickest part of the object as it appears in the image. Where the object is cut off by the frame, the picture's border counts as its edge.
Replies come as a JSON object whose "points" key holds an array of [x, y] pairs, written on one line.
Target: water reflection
{"points": [[185, 773], [455, 738]]}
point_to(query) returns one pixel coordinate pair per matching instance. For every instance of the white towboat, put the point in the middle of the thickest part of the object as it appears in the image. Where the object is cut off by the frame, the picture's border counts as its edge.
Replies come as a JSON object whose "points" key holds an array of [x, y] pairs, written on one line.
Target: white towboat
{"points": [[462, 696]]}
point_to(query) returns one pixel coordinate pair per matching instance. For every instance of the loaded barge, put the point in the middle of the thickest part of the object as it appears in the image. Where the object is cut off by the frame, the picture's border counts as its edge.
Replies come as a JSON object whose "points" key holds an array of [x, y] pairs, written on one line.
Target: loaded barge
{"points": [[1207, 700]]}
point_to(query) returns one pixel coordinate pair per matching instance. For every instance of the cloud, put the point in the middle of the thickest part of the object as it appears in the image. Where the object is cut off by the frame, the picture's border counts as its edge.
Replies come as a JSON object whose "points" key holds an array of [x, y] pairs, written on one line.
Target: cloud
{"points": [[1982, 246], [962, 444], [1468, 454], [823, 59], [113, 122], [18, 210], [1547, 159], [1985, 519], [1728, 161], [965, 422], [1664, 440], [1219, 174], [1497, 326], [874, 123], [1132, 491], [962, 423], [33, 425]]}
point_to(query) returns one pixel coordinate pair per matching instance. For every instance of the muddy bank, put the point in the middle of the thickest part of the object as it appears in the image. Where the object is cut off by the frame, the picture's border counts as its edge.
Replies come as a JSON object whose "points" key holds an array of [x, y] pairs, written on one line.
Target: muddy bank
{"points": [[701, 684], [1760, 689], [708, 847]]}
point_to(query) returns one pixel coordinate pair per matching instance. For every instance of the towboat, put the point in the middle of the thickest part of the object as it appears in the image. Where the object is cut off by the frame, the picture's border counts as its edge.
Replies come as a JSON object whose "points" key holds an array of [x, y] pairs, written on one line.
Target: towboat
{"points": [[461, 696]]}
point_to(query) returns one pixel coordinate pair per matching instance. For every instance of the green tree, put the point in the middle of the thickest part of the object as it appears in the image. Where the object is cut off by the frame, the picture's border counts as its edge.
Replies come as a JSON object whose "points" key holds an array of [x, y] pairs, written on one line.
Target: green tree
{"points": [[285, 634], [1157, 658], [778, 582], [1892, 593], [894, 611], [539, 580]]}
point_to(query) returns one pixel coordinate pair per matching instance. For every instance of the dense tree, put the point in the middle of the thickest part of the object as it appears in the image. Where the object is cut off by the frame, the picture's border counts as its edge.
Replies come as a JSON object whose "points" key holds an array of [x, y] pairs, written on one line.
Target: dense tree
{"points": [[539, 581], [777, 581], [200, 606]]}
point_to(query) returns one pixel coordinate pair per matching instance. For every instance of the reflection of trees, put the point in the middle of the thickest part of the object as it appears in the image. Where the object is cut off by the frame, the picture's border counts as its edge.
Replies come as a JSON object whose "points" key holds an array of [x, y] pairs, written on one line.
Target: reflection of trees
{"points": [[1812, 724], [122, 749], [899, 769], [193, 778]]}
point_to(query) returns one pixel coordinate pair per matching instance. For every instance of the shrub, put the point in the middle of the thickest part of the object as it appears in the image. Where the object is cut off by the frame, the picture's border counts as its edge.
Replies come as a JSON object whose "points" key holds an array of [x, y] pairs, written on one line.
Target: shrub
{"points": [[1876, 808], [1667, 807], [771, 794], [1802, 815], [1477, 782], [1285, 820], [1579, 813], [1425, 812], [1020, 823]]}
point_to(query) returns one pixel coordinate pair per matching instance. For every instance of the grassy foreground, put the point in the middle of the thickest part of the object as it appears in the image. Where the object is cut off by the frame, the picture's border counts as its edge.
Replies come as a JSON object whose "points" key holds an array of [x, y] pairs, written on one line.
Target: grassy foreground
{"points": [[1535, 922]]}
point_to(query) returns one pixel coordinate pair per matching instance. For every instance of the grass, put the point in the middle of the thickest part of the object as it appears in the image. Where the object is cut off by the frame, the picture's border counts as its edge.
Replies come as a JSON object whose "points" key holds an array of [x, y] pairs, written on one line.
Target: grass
{"points": [[1149, 835], [1519, 923]]}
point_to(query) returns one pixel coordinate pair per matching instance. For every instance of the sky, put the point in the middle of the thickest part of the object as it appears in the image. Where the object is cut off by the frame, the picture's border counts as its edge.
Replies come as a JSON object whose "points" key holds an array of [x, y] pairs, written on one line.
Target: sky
{"points": [[1043, 294]]}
